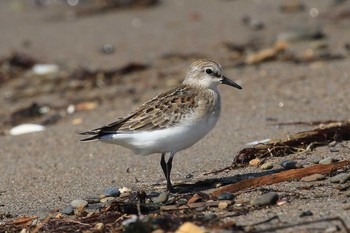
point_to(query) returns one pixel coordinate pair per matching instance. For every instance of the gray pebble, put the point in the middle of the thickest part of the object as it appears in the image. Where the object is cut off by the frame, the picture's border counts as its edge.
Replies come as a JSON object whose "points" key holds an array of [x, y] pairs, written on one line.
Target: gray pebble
{"points": [[327, 160], [209, 216], [201, 208], [68, 210], [112, 192], [266, 166], [107, 199], [313, 177], [94, 206], [306, 213], [340, 178], [182, 201], [108, 49], [92, 200], [226, 196], [265, 199], [289, 164], [78, 203], [333, 149], [162, 198]]}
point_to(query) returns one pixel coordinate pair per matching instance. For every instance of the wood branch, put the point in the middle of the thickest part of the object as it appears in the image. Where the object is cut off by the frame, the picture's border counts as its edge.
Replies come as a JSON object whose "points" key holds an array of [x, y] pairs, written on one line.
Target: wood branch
{"points": [[281, 177]]}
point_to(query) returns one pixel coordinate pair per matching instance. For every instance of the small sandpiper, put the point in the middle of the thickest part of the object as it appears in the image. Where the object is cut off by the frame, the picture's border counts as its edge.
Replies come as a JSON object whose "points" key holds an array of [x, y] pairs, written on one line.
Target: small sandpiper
{"points": [[173, 120]]}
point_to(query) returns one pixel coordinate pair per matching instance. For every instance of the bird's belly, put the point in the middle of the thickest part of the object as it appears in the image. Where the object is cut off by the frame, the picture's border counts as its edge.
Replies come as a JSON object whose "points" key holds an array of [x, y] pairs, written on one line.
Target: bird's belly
{"points": [[172, 139]]}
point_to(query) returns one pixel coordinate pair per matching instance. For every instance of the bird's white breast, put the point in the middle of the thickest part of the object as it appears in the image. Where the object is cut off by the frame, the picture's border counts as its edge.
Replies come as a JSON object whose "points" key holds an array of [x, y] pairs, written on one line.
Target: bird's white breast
{"points": [[172, 139]]}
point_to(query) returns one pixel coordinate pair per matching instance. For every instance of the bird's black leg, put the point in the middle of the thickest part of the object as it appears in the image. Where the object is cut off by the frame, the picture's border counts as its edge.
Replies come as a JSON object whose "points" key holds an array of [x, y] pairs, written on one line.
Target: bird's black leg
{"points": [[163, 165], [169, 165], [166, 167]]}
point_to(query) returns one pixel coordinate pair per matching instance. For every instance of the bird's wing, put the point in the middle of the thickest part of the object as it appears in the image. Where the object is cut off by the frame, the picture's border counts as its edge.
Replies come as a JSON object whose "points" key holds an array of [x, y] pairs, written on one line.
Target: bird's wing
{"points": [[165, 110]]}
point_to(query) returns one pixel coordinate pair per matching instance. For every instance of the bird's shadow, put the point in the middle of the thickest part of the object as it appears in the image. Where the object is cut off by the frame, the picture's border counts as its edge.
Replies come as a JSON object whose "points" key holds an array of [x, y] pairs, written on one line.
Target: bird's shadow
{"points": [[212, 183]]}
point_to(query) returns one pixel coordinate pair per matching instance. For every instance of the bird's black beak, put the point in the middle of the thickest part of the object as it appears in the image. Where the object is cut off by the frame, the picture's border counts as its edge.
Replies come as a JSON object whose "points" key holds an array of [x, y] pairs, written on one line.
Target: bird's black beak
{"points": [[229, 82]]}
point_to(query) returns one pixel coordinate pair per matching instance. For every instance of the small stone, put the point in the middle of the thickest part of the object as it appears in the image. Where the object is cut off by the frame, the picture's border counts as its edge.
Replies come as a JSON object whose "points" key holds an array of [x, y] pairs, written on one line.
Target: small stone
{"points": [[289, 164], [226, 196], [112, 192], [306, 213], [283, 201], [313, 177], [124, 190], [124, 195], [189, 227], [333, 149], [162, 198], [95, 206], [92, 200], [346, 206], [68, 210], [201, 208], [79, 203], [332, 143], [218, 185], [255, 162], [107, 199], [182, 201], [340, 178], [24, 230], [108, 49], [99, 227], [265, 199], [327, 160], [266, 166], [222, 205], [209, 216]]}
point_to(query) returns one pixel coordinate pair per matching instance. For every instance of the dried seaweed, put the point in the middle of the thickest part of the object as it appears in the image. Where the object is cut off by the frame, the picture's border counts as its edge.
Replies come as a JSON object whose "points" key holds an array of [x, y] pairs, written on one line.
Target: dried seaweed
{"points": [[296, 143]]}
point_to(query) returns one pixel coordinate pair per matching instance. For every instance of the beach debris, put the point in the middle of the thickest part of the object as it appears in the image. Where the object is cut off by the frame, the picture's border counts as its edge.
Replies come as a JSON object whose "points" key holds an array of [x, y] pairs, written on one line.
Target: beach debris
{"points": [[26, 128], [283, 176]]}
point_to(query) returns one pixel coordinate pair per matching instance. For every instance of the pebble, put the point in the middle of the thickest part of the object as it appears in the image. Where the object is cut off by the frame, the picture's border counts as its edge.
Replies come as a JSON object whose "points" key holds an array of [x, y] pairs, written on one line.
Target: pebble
{"points": [[313, 177], [266, 166], [108, 49], [112, 192], [226, 196], [283, 201], [346, 206], [189, 227], [340, 178], [79, 203], [333, 149], [99, 227], [162, 198], [327, 160], [124, 190], [107, 199], [255, 162], [209, 216], [265, 199], [306, 213], [332, 143], [289, 164], [182, 201], [201, 208], [68, 210], [222, 205], [92, 200]]}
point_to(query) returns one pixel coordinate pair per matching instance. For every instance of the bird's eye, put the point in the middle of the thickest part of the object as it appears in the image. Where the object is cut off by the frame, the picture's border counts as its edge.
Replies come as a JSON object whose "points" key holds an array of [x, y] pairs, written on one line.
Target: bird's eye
{"points": [[209, 71]]}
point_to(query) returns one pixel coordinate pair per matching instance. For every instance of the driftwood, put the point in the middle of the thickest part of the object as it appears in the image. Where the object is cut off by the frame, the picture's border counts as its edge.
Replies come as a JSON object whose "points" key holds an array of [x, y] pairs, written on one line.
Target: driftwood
{"points": [[194, 205], [296, 143], [282, 176]]}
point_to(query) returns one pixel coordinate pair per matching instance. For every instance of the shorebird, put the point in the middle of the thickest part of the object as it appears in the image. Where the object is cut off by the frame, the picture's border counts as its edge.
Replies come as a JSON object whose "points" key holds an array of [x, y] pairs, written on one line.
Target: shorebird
{"points": [[173, 120]]}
